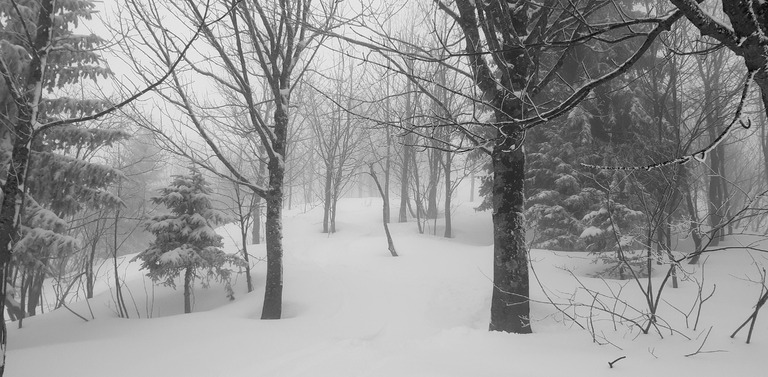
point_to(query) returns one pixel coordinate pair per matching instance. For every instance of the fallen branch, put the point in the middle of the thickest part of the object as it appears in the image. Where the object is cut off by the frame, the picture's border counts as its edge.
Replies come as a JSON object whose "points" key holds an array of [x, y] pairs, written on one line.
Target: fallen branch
{"points": [[753, 317], [610, 363]]}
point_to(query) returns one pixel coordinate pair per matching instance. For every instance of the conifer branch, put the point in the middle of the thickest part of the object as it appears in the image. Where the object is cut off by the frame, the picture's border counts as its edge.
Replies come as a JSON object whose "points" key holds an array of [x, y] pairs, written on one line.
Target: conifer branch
{"points": [[5, 71], [24, 25]]}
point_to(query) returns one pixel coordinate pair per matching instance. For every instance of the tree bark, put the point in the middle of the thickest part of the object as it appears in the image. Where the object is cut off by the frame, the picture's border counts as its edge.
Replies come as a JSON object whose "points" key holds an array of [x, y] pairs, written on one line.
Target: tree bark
{"points": [[256, 232], [188, 274], [13, 190], [390, 243], [435, 156], [89, 275], [510, 301], [246, 257], [273, 290], [407, 152], [472, 187], [448, 194], [387, 166], [35, 290], [327, 197]]}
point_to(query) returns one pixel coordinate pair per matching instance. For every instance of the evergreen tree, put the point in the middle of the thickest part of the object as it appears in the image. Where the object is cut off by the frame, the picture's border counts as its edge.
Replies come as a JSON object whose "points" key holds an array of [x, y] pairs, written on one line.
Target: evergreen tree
{"points": [[62, 183], [185, 239], [42, 58]]}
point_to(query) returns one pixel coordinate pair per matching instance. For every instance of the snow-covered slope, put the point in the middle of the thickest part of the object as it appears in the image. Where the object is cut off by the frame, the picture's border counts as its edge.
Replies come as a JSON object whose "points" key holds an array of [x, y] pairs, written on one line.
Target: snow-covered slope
{"points": [[353, 310]]}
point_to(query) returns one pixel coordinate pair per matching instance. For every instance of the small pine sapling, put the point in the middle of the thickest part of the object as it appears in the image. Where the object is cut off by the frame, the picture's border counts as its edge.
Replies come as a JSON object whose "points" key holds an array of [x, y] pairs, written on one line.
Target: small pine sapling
{"points": [[186, 241], [611, 234]]}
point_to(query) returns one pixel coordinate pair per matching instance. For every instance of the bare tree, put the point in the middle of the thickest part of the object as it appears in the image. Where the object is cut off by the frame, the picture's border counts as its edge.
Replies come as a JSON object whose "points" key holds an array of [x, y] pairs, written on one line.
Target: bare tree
{"points": [[257, 42], [337, 135]]}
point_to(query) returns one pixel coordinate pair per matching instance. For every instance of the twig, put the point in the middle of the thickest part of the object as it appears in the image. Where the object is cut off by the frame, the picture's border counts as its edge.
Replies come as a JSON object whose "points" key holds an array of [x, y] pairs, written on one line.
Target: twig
{"points": [[73, 312], [610, 363], [753, 317], [698, 351]]}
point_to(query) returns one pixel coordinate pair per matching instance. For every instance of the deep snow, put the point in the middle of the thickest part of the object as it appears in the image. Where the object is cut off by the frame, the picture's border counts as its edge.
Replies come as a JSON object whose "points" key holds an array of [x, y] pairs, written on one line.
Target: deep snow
{"points": [[350, 309]]}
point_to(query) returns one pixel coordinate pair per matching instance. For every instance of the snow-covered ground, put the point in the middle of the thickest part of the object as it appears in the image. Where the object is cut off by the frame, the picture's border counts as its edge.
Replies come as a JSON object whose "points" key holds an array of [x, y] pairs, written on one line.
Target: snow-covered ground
{"points": [[350, 309]]}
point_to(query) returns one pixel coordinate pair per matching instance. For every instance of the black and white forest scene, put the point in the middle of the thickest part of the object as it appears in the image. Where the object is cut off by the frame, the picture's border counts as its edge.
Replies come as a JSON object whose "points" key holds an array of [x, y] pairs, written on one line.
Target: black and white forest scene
{"points": [[399, 188]]}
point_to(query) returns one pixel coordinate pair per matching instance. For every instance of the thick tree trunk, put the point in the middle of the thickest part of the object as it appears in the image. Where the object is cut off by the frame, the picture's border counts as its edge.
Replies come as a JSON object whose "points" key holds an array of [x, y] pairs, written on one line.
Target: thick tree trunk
{"points": [[510, 300], [14, 187], [274, 286], [188, 274], [273, 290], [10, 211]]}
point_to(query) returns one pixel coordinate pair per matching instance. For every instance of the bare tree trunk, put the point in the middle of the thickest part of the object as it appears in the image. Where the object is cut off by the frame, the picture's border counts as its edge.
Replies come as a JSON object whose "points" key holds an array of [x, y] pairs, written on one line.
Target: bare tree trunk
{"points": [[713, 91], [256, 232], [390, 243], [22, 296], [407, 152], [472, 187], [764, 141], [89, 278], [273, 290], [290, 196], [327, 197], [188, 274], [435, 156], [509, 302], [417, 194], [448, 194], [122, 309], [246, 257], [360, 183], [35, 290], [15, 182], [387, 172], [334, 201]]}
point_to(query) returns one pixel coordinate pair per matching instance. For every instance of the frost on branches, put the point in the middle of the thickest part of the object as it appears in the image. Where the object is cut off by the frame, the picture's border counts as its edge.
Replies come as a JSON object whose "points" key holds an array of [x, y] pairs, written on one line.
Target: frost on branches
{"points": [[186, 241]]}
